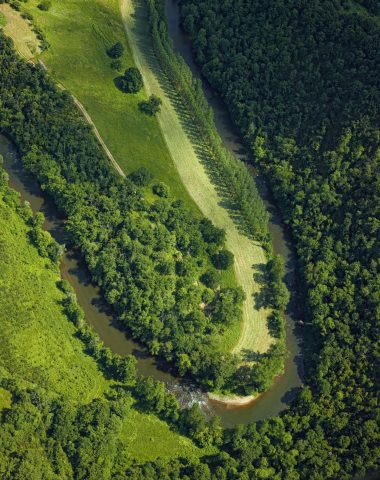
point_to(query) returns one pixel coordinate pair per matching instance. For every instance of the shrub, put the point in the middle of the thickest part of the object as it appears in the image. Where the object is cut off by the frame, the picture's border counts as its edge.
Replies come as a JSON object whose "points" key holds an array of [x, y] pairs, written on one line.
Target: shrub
{"points": [[116, 64], [44, 5], [161, 189], [223, 259], [210, 279], [132, 81], [116, 51], [151, 106], [141, 177]]}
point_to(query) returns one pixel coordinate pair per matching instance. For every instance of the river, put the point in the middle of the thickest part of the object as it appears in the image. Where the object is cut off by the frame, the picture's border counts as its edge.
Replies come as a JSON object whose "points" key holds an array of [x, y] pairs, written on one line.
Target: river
{"points": [[285, 386], [100, 317]]}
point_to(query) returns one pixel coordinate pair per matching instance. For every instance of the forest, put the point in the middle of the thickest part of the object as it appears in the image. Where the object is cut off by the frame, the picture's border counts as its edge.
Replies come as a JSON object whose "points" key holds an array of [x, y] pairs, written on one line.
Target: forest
{"points": [[309, 110]]}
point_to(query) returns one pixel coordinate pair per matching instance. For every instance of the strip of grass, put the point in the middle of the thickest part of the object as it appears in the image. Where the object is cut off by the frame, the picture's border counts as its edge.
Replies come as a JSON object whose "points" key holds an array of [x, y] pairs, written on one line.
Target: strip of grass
{"points": [[146, 438], [25, 40], [79, 33], [3, 20], [254, 334]]}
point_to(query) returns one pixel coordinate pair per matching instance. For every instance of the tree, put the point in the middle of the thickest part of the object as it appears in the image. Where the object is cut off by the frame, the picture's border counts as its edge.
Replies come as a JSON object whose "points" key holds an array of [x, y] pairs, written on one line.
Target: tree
{"points": [[151, 106], [223, 259], [210, 278], [141, 177], [116, 51], [131, 81], [161, 189]]}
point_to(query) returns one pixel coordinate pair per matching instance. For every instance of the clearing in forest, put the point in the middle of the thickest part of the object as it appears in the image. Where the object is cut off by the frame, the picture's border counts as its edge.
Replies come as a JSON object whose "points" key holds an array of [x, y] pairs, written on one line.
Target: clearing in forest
{"points": [[254, 333], [25, 40]]}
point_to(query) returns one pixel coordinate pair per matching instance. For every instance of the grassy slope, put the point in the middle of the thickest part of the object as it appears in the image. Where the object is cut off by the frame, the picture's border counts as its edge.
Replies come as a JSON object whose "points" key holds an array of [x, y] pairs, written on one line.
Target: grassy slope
{"points": [[79, 32], [25, 40], [38, 346], [254, 334], [37, 343]]}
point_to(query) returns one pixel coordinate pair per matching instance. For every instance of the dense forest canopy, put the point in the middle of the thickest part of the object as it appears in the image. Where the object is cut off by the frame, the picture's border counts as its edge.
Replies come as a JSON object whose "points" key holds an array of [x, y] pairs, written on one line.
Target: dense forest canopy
{"points": [[301, 80]]}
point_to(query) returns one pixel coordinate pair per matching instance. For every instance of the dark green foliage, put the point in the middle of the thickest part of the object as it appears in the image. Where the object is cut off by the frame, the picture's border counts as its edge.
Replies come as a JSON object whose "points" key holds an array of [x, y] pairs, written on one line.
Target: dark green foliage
{"points": [[131, 81], [141, 177], [309, 109], [161, 189], [116, 64], [212, 234], [223, 259], [116, 51], [210, 278], [45, 5], [151, 106]]}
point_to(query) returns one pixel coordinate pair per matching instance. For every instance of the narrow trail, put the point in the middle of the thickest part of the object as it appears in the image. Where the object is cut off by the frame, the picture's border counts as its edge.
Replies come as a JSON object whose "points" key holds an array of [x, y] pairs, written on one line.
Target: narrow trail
{"points": [[248, 255], [96, 131]]}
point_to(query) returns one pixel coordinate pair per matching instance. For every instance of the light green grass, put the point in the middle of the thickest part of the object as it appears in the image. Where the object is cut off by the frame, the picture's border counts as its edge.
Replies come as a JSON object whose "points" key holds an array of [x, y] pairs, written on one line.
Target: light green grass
{"points": [[37, 342], [25, 41], [3, 20], [5, 399], [79, 33], [146, 438]]}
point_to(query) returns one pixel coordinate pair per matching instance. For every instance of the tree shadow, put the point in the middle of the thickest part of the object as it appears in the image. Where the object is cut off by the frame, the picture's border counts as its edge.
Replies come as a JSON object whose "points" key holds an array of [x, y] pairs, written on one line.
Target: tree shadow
{"points": [[188, 121]]}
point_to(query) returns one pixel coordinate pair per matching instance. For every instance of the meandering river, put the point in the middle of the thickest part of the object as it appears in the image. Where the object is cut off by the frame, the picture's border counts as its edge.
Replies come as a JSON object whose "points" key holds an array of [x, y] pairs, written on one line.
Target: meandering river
{"points": [[100, 317]]}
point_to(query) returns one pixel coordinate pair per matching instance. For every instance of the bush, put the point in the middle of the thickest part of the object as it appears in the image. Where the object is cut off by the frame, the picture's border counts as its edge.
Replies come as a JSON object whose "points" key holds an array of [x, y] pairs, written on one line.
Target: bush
{"points": [[161, 189], [223, 260], [141, 177], [151, 106], [132, 81], [116, 51], [44, 5], [116, 64], [210, 278]]}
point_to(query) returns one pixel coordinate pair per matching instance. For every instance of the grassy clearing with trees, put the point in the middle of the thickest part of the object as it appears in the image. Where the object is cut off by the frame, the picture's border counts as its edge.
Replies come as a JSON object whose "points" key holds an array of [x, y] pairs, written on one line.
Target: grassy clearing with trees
{"points": [[254, 334], [18, 28], [80, 33]]}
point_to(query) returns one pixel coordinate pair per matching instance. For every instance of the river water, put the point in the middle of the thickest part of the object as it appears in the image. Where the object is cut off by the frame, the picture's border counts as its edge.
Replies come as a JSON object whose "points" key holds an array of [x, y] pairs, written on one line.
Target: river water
{"points": [[100, 317]]}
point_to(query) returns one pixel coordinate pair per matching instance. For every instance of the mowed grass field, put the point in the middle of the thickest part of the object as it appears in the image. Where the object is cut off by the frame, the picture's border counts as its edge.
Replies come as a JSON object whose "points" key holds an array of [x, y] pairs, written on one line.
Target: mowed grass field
{"points": [[79, 32], [253, 334], [37, 340], [38, 346], [25, 40]]}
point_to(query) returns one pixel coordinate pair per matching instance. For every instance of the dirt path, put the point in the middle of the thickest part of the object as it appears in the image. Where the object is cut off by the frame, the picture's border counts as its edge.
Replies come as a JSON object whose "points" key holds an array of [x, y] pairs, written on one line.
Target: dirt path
{"points": [[96, 131], [254, 334]]}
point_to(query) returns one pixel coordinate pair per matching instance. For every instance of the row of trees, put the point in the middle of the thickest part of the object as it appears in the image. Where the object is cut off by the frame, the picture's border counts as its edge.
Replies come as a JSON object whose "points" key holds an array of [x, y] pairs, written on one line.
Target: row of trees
{"points": [[232, 173], [309, 109]]}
